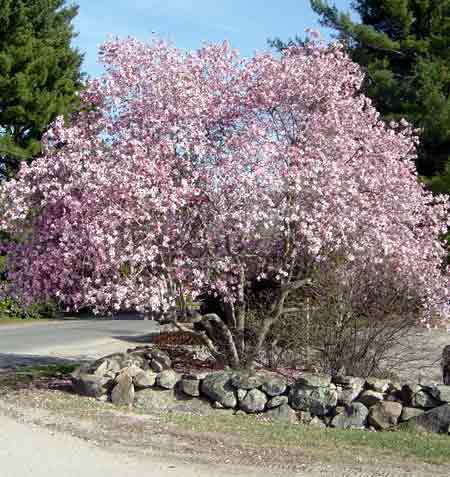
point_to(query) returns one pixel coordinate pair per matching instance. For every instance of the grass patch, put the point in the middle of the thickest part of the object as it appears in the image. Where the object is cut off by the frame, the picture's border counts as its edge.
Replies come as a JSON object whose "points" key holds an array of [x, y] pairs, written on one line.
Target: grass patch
{"points": [[10, 308], [15, 320], [28, 375], [423, 447], [47, 370]]}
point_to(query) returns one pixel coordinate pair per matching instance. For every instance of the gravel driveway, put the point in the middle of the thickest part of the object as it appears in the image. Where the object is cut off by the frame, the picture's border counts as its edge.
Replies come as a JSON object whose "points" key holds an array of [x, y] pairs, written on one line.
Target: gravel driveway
{"points": [[31, 451]]}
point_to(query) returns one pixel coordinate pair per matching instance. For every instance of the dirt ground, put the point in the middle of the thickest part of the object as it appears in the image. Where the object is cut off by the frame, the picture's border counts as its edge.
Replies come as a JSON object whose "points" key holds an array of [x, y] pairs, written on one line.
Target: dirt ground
{"points": [[153, 435], [50, 404]]}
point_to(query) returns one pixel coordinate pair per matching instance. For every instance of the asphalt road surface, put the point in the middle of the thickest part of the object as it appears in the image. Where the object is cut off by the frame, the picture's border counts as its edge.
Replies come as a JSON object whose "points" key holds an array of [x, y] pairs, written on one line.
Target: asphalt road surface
{"points": [[59, 340]]}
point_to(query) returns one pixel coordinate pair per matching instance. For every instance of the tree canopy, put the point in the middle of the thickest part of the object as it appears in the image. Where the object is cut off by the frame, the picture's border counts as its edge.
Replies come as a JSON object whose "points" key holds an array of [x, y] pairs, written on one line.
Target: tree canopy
{"points": [[204, 172], [404, 49], [39, 75]]}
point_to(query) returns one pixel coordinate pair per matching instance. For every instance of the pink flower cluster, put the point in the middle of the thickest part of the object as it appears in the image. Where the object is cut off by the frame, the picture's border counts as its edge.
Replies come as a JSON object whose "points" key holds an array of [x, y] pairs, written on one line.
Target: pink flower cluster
{"points": [[203, 170]]}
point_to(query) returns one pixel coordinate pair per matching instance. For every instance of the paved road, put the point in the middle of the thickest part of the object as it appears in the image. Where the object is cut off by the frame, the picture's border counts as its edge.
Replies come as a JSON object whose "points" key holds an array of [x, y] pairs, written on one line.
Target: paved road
{"points": [[69, 339], [30, 451]]}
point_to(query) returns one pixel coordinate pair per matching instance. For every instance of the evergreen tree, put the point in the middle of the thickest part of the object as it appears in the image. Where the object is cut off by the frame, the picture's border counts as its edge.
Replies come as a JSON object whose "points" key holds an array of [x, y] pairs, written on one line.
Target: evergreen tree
{"points": [[404, 47], [39, 75]]}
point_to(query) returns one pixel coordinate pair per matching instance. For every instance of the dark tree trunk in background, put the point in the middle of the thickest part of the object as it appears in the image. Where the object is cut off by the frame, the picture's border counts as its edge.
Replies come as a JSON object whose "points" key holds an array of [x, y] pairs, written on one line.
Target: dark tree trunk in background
{"points": [[446, 365]]}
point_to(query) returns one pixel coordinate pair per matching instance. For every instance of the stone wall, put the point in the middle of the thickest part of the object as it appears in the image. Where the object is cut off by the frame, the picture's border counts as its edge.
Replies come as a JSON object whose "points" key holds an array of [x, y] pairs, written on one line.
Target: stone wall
{"points": [[344, 402]]}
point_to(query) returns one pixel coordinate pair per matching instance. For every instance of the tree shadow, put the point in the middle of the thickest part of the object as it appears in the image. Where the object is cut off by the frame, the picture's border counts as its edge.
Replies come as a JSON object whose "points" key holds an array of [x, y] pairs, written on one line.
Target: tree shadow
{"points": [[145, 338], [14, 361], [89, 316]]}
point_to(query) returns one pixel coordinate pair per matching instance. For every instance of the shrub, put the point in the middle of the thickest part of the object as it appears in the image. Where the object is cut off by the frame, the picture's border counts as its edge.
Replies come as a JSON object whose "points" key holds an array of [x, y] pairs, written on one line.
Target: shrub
{"points": [[10, 308], [353, 320]]}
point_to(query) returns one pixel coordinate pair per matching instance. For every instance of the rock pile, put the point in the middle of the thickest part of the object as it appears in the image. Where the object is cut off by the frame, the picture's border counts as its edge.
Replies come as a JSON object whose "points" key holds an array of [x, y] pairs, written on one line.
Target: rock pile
{"points": [[344, 402]]}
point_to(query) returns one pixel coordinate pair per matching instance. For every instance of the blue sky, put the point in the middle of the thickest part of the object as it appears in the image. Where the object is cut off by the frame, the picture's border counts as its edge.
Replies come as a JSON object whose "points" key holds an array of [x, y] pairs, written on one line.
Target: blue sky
{"points": [[187, 23]]}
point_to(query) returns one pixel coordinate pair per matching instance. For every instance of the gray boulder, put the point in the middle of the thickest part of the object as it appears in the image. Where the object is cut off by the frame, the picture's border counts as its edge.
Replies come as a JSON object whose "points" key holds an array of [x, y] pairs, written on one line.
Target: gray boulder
{"points": [[394, 397], [440, 392], [283, 413], [102, 369], [144, 379], [156, 400], [349, 391], [415, 396], [394, 387], [217, 387], [354, 416], [246, 381], [274, 386], [378, 385], [385, 414], [316, 397], [123, 392], [342, 379], [241, 393], [109, 365], [410, 412], [254, 401], [437, 420], [132, 360], [424, 400], [190, 386], [370, 398], [277, 401], [133, 370], [167, 379], [160, 360], [91, 385], [77, 372], [157, 367]]}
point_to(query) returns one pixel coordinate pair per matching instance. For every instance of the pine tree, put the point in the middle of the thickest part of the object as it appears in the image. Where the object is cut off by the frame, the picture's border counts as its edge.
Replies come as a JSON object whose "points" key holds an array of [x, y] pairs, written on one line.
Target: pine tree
{"points": [[39, 75], [404, 47]]}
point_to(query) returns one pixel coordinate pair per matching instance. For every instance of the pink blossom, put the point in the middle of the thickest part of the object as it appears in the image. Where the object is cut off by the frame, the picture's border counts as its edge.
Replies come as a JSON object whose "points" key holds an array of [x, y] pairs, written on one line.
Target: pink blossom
{"points": [[196, 169]]}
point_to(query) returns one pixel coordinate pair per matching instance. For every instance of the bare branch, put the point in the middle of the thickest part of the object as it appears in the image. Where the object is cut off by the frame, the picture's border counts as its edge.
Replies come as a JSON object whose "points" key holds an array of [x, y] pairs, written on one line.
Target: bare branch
{"points": [[288, 287]]}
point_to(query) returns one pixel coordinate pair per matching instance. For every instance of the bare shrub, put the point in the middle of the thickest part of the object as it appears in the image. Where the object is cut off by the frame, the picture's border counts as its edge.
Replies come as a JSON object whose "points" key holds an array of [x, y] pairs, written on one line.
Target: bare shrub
{"points": [[353, 320], [351, 317]]}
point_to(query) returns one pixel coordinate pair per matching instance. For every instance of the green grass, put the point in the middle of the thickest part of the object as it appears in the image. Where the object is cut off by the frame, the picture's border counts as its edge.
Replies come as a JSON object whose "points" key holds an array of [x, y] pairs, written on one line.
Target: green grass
{"points": [[430, 448], [11, 309], [28, 374], [7, 320]]}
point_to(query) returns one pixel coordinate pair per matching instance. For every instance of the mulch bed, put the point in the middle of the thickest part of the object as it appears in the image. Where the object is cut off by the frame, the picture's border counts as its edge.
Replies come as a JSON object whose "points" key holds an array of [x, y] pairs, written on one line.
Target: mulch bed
{"points": [[176, 344], [180, 338]]}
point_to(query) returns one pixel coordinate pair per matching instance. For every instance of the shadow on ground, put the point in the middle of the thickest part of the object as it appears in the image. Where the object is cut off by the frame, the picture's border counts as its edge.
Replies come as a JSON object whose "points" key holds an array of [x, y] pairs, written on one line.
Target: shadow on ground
{"points": [[131, 315], [146, 338], [11, 361]]}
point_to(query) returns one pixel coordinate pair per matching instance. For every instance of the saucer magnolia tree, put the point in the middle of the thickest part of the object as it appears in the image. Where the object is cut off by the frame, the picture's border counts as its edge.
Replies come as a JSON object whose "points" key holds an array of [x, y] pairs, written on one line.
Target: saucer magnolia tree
{"points": [[203, 173]]}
